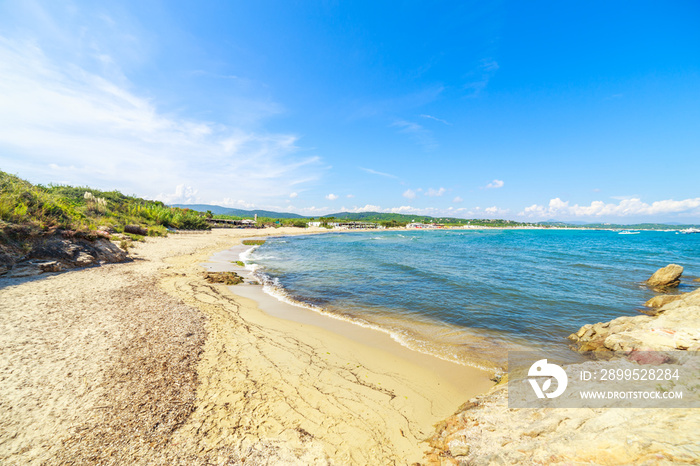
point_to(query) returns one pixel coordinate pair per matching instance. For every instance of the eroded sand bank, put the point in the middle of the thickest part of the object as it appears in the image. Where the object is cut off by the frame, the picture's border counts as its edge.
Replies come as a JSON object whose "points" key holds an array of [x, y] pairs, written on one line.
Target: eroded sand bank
{"points": [[262, 389]]}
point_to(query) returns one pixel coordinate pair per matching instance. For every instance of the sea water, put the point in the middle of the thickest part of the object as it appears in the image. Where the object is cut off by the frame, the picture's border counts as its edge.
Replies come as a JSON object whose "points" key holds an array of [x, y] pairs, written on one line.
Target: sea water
{"points": [[472, 295]]}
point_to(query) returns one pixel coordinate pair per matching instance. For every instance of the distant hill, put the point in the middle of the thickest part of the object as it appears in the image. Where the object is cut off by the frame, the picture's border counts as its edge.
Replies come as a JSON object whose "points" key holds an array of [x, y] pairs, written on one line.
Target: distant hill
{"points": [[219, 210]]}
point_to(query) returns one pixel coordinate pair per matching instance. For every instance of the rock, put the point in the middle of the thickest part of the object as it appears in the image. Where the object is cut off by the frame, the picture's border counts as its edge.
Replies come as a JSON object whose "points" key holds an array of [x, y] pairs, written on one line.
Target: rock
{"points": [[77, 252], [675, 327], [697, 280], [84, 259], [28, 270], [135, 230], [458, 448], [666, 277], [649, 357], [7, 261], [51, 266], [564, 436], [108, 251], [662, 300], [227, 278]]}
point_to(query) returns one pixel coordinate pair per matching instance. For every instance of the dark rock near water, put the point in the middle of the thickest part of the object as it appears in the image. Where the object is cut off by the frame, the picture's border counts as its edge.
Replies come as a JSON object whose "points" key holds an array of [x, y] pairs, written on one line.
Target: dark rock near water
{"points": [[227, 278]]}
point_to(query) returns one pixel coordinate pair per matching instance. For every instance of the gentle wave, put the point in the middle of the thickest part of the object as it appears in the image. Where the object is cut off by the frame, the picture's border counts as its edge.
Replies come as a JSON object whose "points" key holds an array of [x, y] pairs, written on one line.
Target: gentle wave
{"points": [[472, 343], [464, 296]]}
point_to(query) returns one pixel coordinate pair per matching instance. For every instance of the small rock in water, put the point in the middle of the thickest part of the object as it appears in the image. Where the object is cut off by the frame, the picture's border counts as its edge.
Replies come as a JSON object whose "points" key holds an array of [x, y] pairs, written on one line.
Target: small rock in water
{"points": [[666, 277]]}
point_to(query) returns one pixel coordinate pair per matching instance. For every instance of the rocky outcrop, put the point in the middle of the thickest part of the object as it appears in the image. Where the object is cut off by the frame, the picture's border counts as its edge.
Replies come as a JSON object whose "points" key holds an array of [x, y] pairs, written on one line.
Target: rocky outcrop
{"points": [[675, 327], [662, 300], [666, 277], [485, 431], [57, 253]]}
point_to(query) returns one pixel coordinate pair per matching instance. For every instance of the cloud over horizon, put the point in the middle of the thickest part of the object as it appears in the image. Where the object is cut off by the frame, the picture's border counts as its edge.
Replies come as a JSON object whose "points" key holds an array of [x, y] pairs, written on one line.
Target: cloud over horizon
{"points": [[630, 207]]}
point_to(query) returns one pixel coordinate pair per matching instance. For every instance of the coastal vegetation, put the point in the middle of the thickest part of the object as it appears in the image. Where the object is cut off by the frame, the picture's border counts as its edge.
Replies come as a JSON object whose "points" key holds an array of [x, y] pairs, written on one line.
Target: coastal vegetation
{"points": [[253, 242], [38, 208], [32, 215]]}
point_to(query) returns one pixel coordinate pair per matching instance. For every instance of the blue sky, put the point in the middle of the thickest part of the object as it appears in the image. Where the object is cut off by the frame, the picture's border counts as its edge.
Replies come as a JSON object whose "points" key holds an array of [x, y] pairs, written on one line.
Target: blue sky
{"points": [[523, 110]]}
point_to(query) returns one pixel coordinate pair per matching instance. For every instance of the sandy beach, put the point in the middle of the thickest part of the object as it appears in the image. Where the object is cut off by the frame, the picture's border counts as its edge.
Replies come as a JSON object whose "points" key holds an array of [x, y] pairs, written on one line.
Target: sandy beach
{"points": [[148, 362]]}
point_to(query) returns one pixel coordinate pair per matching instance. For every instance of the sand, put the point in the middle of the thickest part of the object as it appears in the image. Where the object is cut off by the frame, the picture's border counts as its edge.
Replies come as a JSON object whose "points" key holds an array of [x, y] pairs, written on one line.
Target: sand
{"points": [[148, 362]]}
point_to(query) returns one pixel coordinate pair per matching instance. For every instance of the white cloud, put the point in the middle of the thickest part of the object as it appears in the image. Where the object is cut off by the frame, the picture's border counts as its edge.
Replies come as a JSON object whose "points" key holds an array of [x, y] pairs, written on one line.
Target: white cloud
{"points": [[331, 197], [625, 208], [293, 195], [375, 172], [97, 129], [229, 202], [435, 192], [457, 200], [182, 195], [366, 208], [495, 184], [419, 134], [496, 211], [350, 196], [436, 119], [409, 194]]}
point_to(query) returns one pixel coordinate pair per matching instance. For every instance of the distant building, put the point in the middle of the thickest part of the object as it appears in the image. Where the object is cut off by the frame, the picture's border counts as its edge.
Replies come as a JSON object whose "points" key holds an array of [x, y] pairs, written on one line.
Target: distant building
{"points": [[425, 225], [226, 223]]}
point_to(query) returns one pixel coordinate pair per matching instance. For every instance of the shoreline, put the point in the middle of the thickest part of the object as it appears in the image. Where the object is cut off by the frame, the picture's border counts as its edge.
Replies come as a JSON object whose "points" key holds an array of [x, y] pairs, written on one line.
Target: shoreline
{"points": [[372, 336], [378, 401]]}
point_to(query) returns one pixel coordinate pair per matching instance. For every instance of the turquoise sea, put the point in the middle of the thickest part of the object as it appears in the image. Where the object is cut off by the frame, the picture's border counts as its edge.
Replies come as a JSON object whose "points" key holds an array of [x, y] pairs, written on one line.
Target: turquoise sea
{"points": [[471, 295]]}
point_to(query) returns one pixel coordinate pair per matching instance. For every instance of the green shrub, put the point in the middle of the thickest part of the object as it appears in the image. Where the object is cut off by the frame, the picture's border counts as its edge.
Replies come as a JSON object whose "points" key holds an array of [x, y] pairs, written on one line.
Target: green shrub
{"points": [[42, 208]]}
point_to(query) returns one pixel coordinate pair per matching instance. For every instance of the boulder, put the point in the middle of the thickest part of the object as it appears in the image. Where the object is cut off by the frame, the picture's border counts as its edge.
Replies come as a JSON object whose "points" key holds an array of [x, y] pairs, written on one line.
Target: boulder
{"points": [[135, 230], [84, 259], [662, 300], [107, 251], [666, 277], [51, 266]]}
